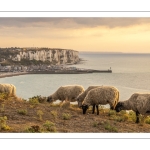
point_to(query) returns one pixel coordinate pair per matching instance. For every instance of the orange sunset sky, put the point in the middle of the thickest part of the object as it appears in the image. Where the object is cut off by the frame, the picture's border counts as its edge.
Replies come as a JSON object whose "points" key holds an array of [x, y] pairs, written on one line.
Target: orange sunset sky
{"points": [[124, 34]]}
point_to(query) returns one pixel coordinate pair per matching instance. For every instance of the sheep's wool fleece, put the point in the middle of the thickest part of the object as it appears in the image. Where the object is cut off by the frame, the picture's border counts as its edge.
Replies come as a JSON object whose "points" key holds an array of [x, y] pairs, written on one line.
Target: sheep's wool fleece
{"points": [[83, 94], [102, 95], [8, 88], [69, 92], [138, 102]]}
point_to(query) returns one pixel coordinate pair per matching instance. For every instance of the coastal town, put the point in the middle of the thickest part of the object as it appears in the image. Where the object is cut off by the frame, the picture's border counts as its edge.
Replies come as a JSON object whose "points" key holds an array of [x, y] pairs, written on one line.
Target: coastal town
{"points": [[17, 61], [45, 69]]}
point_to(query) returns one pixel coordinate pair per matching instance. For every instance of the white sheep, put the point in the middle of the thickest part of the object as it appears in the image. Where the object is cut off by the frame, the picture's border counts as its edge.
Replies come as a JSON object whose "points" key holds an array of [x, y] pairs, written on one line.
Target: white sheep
{"points": [[101, 95], [138, 102], [66, 93], [81, 96], [10, 89]]}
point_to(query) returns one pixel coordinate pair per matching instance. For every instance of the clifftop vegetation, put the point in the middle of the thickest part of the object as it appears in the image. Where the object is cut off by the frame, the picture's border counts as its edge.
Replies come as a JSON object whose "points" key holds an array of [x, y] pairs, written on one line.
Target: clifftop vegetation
{"points": [[37, 115]]}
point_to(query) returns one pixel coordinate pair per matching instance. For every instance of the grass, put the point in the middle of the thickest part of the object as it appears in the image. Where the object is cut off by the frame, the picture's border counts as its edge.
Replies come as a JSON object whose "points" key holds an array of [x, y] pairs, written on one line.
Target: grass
{"points": [[109, 127], [54, 114], [66, 116], [33, 129], [3, 123], [34, 101], [49, 126], [4, 96], [22, 111], [40, 113], [2, 109]]}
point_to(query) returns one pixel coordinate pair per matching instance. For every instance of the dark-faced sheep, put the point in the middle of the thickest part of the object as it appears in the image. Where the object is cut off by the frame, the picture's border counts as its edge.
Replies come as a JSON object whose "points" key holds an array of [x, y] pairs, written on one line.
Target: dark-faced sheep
{"points": [[138, 102], [81, 97], [101, 95]]}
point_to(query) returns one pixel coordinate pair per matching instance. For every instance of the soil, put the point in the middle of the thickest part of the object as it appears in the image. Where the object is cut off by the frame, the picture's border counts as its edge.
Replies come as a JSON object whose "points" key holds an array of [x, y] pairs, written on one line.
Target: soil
{"points": [[23, 116]]}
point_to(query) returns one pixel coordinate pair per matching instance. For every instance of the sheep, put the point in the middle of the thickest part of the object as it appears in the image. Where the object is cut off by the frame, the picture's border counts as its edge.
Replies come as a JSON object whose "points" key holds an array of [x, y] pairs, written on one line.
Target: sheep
{"points": [[101, 95], [138, 102], [10, 89], [81, 97], [66, 93]]}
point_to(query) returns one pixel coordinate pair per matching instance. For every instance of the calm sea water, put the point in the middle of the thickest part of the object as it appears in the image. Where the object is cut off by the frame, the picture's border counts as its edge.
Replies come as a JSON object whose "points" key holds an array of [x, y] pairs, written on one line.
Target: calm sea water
{"points": [[130, 73]]}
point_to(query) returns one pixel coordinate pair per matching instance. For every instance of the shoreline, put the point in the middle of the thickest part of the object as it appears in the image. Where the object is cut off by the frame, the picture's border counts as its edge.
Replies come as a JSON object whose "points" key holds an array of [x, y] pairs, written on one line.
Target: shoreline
{"points": [[10, 74]]}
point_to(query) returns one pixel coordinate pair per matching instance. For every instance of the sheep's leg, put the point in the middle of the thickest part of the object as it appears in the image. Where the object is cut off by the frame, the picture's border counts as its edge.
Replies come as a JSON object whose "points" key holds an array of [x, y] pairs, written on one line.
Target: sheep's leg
{"points": [[93, 111], [137, 117], [97, 110]]}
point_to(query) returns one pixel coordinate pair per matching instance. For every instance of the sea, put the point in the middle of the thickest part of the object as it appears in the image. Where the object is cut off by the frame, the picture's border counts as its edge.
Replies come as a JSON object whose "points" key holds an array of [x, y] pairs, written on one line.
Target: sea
{"points": [[130, 74]]}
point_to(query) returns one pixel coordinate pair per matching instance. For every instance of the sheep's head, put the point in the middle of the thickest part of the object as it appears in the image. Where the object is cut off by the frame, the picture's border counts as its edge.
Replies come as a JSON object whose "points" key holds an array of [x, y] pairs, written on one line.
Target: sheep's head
{"points": [[49, 99], [79, 100], [84, 108], [119, 107]]}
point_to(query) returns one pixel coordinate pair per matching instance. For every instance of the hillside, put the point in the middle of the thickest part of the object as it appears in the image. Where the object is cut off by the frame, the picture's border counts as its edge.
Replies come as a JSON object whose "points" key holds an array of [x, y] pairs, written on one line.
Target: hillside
{"points": [[37, 115]]}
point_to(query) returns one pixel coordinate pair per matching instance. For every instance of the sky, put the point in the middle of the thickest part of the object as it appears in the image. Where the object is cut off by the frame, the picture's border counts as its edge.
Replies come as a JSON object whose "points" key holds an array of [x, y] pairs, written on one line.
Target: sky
{"points": [[100, 34]]}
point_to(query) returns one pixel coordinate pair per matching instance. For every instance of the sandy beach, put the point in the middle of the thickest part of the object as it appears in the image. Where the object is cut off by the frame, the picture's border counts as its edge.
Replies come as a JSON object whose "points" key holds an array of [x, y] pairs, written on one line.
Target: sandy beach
{"points": [[10, 74]]}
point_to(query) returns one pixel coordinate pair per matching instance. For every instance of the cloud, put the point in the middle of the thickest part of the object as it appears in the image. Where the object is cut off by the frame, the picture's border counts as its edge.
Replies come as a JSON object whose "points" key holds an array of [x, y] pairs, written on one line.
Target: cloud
{"points": [[76, 22]]}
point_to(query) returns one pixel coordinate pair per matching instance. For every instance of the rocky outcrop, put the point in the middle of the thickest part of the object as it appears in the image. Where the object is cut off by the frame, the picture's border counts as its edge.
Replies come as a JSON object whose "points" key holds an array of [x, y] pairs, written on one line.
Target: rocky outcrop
{"points": [[55, 56]]}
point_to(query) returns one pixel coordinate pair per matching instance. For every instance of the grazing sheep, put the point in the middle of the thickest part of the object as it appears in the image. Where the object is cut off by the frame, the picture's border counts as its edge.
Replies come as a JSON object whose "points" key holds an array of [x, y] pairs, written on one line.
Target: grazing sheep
{"points": [[138, 102], [66, 93], [81, 97], [10, 89], [101, 95]]}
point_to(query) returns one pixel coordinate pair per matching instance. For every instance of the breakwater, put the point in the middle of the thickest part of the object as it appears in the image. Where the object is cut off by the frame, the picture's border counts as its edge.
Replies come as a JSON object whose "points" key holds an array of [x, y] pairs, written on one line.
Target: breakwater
{"points": [[70, 71], [85, 71]]}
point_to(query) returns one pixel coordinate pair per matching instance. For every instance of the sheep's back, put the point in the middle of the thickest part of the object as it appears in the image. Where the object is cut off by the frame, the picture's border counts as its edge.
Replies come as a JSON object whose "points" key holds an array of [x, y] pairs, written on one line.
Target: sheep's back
{"points": [[102, 95]]}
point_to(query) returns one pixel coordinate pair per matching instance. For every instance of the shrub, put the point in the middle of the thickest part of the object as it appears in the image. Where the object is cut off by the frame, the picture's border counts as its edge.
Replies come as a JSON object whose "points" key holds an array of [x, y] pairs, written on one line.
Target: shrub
{"points": [[147, 120], [110, 128], [132, 116], [33, 129], [2, 108], [66, 116], [111, 112], [3, 125], [33, 101], [22, 111], [40, 113], [49, 126], [54, 113], [4, 96]]}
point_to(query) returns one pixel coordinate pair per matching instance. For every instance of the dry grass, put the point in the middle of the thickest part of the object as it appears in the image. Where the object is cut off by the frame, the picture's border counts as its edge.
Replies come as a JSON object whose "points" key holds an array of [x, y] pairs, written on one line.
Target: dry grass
{"points": [[26, 116]]}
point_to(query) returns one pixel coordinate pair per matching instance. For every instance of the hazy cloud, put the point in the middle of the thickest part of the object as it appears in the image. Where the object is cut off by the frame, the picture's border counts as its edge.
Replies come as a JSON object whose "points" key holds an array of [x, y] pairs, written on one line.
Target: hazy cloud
{"points": [[71, 22]]}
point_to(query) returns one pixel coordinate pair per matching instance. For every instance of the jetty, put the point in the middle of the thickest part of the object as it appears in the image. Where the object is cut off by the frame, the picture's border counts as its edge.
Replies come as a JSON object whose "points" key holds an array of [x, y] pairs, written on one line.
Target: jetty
{"points": [[85, 71]]}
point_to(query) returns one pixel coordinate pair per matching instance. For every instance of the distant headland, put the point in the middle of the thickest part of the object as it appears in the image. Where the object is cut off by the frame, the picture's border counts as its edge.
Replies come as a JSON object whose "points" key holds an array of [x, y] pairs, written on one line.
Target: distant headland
{"points": [[18, 61]]}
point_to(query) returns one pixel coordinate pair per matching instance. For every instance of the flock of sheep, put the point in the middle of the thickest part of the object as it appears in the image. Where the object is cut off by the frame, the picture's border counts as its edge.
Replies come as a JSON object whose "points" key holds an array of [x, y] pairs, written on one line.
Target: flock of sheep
{"points": [[95, 95]]}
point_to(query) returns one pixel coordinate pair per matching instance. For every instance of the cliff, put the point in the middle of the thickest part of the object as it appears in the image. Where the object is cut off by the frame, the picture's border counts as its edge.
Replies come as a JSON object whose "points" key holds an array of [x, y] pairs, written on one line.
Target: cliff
{"points": [[54, 56]]}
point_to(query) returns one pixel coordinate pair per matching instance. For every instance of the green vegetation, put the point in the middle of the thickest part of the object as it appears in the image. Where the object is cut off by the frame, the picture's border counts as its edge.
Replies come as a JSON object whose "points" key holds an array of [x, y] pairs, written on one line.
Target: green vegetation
{"points": [[3, 124], [2, 109], [22, 111], [109, 127], [54, 114], [33, 129], [40, 113], [66, 116], [4, 96], [49, 126], [33, 100]]}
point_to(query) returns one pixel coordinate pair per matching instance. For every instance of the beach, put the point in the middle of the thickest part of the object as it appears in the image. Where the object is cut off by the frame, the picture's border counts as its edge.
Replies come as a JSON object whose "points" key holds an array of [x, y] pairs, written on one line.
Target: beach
{"points": [[10, 74]]}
